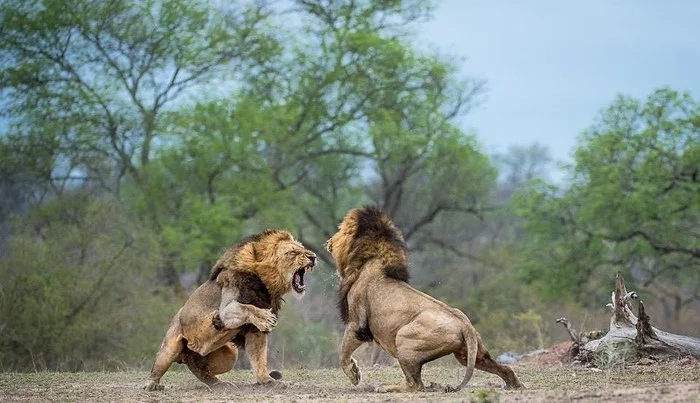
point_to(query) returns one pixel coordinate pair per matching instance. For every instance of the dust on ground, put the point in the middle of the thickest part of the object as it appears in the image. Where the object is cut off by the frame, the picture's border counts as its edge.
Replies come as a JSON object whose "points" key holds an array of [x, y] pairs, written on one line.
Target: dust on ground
{"points": [[677, 381]]}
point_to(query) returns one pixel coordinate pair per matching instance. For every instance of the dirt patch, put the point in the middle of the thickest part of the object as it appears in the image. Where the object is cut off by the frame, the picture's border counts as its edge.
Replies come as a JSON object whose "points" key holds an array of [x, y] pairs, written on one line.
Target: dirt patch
{"points": [[673, 382]]}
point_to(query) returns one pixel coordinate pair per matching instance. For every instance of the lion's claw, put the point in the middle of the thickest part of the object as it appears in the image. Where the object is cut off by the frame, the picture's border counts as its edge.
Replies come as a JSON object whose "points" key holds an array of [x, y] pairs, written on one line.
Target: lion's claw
{"points": [[267, 322], [353, 371]]}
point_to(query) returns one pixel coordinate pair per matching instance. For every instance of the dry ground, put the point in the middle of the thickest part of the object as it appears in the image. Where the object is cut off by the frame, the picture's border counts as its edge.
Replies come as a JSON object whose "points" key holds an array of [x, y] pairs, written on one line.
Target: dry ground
{"points": [[676, 382]]}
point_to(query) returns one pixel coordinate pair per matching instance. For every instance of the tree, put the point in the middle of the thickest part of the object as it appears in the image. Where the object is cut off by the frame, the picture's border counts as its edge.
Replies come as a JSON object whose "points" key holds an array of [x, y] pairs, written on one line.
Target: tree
{"points": [[90, 80], [633, 204], [520, 164], [355, 116], [210, 121]]}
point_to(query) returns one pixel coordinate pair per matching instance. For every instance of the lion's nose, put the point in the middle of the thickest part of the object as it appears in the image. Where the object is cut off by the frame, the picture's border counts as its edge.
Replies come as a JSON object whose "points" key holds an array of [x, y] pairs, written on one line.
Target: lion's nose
{"points": [[312, 258]]}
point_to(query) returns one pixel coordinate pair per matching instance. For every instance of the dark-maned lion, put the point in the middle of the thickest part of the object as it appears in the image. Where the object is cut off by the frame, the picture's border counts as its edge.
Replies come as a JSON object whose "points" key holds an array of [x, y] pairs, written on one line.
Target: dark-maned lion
{"points": [[377, 304], [236, 307]]}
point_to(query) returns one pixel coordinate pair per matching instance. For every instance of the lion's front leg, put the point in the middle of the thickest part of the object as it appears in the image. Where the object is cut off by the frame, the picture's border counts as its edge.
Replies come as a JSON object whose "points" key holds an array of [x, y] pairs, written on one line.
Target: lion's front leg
{"points": [[232, 314], [256, 349], [236, 315], [169, 351], [347, 362]]}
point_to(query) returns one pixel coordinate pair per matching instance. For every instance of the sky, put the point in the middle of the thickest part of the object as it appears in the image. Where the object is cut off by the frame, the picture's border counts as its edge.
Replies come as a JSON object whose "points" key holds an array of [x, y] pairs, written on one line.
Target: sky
{"points": [[552, 66]]}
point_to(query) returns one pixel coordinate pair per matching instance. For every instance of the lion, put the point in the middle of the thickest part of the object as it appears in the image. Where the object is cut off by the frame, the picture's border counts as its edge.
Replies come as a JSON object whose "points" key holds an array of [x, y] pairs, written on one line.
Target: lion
{"points": [[377, 304], [235, 308]]}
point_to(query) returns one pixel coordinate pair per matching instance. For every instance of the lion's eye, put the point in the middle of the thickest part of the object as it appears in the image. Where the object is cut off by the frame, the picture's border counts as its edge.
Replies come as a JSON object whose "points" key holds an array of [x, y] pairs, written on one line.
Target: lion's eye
{"points": [[293, 253]]}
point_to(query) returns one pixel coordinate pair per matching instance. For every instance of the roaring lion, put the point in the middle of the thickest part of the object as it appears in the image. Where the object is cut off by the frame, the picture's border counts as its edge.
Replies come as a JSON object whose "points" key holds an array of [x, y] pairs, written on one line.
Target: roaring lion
{"points": [[236, 307], [377, 304]]}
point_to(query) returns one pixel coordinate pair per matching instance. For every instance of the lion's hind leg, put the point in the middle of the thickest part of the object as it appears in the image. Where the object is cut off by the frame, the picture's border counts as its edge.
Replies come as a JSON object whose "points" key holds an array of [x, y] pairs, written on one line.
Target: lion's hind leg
{"points": [[420, 342], [412, 370], [484, 362], [220, 361]]}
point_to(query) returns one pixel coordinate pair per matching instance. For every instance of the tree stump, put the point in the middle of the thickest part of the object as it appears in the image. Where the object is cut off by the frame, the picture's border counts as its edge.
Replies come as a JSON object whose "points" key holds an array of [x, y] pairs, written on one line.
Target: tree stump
{"points": [[633, 336], [577, 338]]}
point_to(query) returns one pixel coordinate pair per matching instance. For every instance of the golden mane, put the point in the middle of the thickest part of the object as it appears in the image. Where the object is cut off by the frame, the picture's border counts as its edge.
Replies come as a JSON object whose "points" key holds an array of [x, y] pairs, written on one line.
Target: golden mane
{"points": [[365, 234], [254, 254]]}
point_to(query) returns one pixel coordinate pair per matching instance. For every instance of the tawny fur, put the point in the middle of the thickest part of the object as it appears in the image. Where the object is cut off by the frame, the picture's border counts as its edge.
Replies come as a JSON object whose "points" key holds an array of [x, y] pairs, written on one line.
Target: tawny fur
{"points": [[238, 303], [377, 304]]}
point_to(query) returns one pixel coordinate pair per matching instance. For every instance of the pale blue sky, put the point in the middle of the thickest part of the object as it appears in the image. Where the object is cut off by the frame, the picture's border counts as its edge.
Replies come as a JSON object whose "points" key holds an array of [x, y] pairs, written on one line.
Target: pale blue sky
{"points": [[551, 66]]}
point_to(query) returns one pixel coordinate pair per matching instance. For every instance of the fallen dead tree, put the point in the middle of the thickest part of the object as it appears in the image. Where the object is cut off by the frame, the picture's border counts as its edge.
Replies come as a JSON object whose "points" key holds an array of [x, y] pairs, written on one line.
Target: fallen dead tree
{"points": [[632, 335]]}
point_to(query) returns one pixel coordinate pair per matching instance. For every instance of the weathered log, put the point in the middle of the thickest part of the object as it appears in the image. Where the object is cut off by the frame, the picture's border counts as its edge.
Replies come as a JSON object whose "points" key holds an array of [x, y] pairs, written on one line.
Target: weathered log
{"points": [[578, 338], [575, 337], [630, 332], [572, 333]]}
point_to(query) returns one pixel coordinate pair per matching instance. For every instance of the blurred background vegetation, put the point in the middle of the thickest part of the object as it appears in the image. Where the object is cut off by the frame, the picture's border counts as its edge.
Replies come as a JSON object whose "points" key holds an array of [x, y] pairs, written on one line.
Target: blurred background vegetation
{"points": [[142, 138]]}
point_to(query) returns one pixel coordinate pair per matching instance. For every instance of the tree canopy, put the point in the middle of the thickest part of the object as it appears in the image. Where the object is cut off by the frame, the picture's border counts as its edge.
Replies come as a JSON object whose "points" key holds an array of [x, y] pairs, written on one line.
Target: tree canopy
{"points": [[633, 203]]}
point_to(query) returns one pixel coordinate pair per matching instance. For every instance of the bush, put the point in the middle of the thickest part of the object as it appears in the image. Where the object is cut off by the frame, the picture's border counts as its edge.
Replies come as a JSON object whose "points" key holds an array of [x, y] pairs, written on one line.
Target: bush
{"points": [[77, 289]]}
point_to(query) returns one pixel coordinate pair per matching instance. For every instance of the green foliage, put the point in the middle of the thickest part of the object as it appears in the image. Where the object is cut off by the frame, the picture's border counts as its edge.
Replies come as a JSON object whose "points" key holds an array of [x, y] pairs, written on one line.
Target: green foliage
{"points": [[485, 396], [76, 286], [302, 341], [633, 204]]}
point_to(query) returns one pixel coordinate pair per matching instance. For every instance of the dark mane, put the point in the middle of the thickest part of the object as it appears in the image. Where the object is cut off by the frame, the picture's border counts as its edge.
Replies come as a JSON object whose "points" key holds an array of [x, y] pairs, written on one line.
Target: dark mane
{"points": [[375, 237], [343, 304], [375, 227]]}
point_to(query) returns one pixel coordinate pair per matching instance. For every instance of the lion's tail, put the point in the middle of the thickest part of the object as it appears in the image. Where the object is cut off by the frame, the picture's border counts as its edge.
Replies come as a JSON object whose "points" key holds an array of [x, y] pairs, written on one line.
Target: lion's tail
{"points": [[472, 341]]}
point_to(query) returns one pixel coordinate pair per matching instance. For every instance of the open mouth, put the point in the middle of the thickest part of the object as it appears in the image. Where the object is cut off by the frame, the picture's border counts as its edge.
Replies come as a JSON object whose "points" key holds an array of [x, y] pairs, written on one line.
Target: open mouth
{"points": [[298, 278]]}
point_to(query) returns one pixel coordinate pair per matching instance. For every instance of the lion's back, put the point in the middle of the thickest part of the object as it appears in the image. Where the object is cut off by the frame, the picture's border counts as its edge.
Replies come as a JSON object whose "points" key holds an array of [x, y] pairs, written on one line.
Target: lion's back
{"points": [[202, 304]]}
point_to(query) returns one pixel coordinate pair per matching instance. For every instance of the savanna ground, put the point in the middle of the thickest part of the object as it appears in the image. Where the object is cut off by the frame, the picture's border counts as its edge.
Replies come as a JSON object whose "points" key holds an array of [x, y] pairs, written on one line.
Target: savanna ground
{"points": [[671, 382]]}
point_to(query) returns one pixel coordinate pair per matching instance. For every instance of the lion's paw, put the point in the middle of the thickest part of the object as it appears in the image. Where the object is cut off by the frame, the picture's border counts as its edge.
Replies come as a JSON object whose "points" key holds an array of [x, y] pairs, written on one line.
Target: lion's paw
{"points": [[449, 389], [217, 322], [152, 386], [436, 387], [271, 382], [268, 321], [353, 371], [514, 386]]}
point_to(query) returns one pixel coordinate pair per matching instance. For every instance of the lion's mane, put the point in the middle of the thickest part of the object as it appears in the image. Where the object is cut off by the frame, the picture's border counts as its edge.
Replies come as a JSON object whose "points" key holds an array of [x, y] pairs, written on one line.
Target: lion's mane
{"points": [[365, 234], [251, 267]]}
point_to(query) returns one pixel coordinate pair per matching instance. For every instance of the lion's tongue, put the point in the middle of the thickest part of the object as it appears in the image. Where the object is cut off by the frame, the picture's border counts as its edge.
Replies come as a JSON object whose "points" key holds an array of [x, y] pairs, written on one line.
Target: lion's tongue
{"points": [[298, 280]]}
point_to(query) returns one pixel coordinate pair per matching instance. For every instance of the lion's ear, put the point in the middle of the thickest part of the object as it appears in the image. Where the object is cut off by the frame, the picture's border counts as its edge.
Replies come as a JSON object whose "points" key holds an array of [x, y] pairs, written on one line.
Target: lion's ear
{"points": [[218, 268]]}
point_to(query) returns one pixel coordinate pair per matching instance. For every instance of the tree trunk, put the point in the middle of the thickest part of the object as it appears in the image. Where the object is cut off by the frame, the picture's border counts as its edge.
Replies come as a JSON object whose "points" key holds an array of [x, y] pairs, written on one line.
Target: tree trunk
{"points": [[631, 334]]}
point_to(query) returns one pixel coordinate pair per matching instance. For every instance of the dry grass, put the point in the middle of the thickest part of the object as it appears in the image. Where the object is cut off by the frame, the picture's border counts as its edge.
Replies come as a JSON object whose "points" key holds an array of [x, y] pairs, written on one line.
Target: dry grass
{"points": [[669, 382]]}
